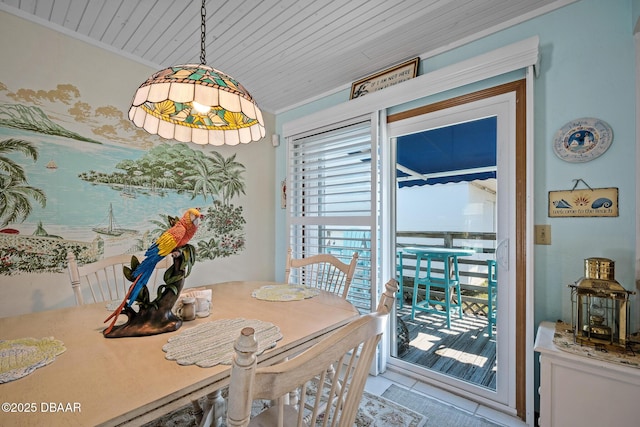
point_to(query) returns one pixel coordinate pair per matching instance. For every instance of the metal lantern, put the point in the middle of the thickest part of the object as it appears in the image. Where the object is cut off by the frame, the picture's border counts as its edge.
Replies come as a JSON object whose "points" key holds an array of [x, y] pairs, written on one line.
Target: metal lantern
{"points": [[600, 306]]}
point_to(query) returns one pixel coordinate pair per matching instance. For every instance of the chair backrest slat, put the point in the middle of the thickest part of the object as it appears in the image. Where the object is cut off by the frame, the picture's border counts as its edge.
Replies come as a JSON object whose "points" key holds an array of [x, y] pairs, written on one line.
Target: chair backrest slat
{"points": [[105, 278], [322, 271]]}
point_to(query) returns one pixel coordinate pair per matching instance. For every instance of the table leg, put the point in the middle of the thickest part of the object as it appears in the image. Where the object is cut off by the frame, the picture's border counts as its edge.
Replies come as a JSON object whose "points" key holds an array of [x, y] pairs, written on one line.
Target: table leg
{"points": [[214, 409], [427, 286], [452, 278], [447, 289], [416, 281], [197, 411], [456, 277]]}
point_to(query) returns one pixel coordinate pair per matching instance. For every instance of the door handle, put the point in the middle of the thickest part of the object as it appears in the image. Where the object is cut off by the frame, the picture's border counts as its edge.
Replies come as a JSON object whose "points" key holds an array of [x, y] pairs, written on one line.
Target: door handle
{"points": [[502, 254]]}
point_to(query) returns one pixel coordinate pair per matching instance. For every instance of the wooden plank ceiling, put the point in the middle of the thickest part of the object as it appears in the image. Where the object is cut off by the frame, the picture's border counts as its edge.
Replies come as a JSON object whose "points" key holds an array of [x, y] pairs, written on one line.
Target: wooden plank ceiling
{"points": [[285, 52]]}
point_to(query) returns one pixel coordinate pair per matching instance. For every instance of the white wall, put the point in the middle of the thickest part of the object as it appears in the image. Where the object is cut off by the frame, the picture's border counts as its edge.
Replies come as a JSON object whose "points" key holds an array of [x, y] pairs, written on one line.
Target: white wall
{"points": [[445, 207]]}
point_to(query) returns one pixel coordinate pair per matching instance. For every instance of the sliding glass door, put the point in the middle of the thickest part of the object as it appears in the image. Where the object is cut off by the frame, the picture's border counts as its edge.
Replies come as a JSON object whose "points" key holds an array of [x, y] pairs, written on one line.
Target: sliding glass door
{"points": [[454, 194]]}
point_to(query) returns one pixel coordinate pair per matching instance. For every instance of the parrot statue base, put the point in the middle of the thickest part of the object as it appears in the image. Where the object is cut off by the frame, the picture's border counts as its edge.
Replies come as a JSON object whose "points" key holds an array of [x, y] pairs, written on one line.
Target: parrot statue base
{"points": [[155, 317]]}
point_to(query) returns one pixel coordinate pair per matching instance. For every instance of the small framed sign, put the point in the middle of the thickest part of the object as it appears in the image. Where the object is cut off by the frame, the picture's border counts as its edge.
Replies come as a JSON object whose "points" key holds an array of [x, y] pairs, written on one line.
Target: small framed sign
{"points": [[389, 77], [583, 203]]}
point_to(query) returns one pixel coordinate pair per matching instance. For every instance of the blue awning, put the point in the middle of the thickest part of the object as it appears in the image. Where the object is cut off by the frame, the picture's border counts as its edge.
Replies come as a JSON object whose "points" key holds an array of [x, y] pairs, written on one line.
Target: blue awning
{"points": [[461, 152]]}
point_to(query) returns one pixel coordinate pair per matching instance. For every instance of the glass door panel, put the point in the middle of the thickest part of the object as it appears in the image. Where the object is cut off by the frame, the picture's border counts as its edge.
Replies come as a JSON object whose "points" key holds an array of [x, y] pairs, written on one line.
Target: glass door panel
{"points": [[451, 196]]}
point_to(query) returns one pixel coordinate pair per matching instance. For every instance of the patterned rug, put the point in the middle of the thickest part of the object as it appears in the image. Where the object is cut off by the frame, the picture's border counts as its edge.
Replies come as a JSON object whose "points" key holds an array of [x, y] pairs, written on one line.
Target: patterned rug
{"points": [[437, 414], [374, 411]]}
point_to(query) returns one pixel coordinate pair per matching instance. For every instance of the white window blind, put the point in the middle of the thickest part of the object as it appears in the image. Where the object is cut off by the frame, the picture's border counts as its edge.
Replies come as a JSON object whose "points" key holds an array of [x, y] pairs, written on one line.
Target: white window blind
{"points": [[331, 187]]}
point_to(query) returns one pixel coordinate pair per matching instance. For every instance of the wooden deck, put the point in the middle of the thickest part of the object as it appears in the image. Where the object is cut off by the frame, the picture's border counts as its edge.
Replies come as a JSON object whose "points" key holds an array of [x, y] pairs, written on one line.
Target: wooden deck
{"points": [[465, 351]]}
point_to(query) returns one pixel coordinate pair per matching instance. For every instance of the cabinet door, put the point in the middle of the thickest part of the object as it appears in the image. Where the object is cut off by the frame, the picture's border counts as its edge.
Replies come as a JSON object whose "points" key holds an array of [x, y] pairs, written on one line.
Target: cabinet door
{"points": [[590, 394]]}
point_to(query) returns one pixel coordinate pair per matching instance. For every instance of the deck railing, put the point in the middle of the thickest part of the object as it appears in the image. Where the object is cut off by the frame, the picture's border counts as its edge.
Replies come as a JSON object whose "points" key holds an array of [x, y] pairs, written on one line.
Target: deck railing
{"points": [[472, 270]]}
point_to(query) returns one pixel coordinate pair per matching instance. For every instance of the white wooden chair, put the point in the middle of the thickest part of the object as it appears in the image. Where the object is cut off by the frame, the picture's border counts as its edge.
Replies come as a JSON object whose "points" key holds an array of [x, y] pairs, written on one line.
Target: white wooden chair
{"points": [[322, 271], [105, 278], [349, 350]]}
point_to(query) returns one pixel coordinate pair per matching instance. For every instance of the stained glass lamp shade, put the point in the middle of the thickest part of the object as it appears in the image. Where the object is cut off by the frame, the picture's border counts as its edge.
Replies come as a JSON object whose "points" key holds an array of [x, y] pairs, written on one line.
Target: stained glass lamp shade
{"points": [[197, 103]]}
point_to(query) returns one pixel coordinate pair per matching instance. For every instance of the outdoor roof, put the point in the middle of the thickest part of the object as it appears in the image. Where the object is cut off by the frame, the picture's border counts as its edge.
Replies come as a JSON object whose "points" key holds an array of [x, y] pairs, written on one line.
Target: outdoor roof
{"points": [[461, 152]]}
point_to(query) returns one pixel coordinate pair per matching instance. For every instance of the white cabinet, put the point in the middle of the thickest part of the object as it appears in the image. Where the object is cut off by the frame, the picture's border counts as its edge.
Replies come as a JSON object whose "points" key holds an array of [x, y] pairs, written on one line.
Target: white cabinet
{"points": [[579, 391]]}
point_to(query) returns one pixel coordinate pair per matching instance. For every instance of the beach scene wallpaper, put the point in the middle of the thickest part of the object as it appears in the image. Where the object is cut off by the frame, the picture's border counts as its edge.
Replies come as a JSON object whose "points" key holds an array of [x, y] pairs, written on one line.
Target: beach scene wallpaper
{"points": [[79, 178]]}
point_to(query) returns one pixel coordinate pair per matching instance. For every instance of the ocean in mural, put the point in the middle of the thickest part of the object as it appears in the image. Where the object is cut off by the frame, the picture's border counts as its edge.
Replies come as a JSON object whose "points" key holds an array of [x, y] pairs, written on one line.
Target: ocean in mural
{"points": [[77, 206], [100, 187], [104, 199]]}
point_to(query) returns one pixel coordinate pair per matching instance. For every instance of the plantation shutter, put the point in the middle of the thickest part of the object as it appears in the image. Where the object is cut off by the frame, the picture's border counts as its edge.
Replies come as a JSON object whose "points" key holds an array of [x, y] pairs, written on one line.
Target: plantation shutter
{"points": [[331, 188]]}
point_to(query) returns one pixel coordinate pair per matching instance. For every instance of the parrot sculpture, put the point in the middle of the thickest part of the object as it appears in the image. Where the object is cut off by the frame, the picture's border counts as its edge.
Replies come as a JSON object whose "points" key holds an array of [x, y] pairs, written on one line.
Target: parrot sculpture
{"points": [[173, 238]]}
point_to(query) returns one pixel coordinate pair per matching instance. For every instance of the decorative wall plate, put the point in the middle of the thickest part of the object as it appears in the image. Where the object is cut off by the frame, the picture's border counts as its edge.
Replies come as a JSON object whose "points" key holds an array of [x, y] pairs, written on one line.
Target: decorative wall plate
{"points": [[581, 140]]}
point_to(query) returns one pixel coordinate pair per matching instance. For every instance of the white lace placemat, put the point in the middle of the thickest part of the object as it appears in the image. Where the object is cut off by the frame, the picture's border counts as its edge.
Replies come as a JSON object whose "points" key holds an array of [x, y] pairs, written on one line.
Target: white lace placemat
{"points": [[22, 356], [563, 339], [284, 293], [211, 343]]}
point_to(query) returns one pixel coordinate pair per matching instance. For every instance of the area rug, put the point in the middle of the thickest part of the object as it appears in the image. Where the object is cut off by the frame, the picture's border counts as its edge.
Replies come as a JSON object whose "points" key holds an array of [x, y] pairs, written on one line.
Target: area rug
{"points": [[374, 411], [437, 414]]}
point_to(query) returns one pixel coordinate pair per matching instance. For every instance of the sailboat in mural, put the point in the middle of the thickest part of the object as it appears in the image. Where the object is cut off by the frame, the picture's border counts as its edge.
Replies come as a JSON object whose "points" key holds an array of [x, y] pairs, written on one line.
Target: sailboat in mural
{"points": [[51, 165], [112, 228]]}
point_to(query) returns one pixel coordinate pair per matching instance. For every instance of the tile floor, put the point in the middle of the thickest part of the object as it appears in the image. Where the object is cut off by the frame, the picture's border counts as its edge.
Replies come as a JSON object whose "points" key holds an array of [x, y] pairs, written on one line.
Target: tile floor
{"points": [[378, 385]]}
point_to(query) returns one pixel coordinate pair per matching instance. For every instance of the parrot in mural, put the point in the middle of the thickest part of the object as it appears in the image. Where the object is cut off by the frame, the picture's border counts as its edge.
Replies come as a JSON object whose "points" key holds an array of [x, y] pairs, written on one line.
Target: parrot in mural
{"points": [[173, 238]]}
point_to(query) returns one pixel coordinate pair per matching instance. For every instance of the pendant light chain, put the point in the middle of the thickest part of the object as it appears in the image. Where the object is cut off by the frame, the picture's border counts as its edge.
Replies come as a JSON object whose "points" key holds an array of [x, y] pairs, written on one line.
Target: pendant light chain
{"points": [[203, 31]]}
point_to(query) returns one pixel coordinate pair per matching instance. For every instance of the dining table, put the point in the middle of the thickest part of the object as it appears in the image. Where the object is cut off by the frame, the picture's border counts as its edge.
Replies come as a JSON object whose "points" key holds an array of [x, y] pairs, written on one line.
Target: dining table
{"points": [[448, 280], [100, 381]]}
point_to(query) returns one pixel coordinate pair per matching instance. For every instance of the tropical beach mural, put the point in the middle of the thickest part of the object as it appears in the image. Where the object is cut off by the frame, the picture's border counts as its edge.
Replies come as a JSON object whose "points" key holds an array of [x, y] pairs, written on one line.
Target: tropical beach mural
{"points": [[62, 190]]}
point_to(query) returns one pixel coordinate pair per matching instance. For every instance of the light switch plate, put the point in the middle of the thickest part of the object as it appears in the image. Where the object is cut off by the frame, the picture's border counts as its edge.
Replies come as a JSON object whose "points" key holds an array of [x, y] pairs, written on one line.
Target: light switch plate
{"points": [[543, 234]]}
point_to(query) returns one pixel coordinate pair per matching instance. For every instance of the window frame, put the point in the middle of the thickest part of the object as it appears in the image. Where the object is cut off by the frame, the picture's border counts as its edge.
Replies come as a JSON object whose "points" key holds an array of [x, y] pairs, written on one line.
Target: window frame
{"points": [[309, 230]]}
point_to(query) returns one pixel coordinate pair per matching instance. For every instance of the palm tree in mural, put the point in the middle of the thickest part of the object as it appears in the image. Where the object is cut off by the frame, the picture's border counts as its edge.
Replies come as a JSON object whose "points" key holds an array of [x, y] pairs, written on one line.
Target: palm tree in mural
{"points": [[161, 224], [231, 186], [204, 178], [167, 179], [11, 146], [15, 194], [229, 176]]}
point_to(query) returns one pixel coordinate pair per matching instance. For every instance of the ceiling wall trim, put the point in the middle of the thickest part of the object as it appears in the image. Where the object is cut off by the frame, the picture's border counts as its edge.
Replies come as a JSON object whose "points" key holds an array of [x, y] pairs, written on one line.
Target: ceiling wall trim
{"points": [[500, 61], [75, 35]]}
